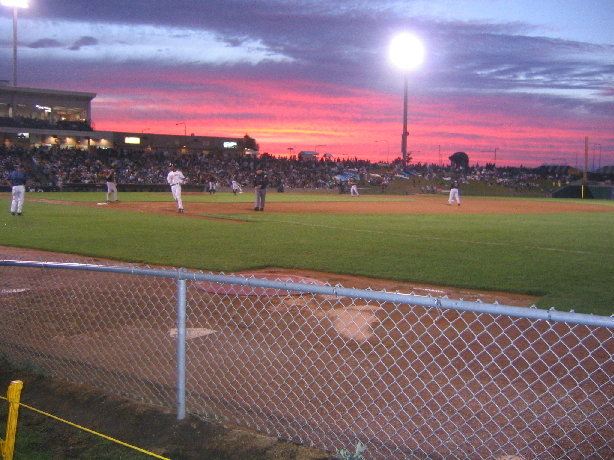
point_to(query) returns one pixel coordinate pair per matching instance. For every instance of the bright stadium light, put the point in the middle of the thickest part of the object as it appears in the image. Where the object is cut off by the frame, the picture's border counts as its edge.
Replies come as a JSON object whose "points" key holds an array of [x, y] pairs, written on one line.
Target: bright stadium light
{"points": [[15, 4], [407, 53]]}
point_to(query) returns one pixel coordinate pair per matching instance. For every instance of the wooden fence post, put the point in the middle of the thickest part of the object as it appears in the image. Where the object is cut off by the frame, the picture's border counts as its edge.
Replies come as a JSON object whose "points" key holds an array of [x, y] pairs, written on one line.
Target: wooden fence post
{"points": [[7, 446]]}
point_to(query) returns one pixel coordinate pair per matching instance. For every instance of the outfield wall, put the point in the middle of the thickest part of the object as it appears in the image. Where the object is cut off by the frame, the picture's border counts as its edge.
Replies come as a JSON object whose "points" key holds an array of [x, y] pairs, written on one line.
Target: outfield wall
{"points": [[599, 192]]}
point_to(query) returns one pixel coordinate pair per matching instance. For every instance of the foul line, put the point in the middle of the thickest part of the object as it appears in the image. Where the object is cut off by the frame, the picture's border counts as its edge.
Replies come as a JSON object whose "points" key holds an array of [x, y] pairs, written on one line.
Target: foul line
{"points": [[455, 240], [91, 431]]}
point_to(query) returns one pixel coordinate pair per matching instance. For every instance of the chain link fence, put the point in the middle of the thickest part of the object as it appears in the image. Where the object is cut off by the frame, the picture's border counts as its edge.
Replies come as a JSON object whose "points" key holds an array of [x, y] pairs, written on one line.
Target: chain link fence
{"points": [[409, 377]]}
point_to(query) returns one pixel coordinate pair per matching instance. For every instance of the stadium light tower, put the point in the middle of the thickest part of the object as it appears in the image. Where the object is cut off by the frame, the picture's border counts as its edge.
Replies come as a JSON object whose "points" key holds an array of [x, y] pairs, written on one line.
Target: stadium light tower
{"points": [[15, 4], [595, 145], [407, 53], [185, 132], [185, 129]]}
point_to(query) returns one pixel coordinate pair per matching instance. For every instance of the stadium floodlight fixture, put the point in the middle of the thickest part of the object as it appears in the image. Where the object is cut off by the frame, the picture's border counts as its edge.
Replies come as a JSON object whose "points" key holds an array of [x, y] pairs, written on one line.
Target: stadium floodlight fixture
{"points": [[15, 4], [407, 53]]}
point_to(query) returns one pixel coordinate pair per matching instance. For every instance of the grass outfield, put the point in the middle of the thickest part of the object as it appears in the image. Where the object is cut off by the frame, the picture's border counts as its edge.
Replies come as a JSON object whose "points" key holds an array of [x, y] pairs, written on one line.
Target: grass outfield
{"points": [[565, 259]]}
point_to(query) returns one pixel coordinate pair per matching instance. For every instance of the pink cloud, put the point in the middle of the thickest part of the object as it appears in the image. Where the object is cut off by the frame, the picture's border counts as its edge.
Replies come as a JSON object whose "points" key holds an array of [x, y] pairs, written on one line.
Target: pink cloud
{"points": [[348, 122]]}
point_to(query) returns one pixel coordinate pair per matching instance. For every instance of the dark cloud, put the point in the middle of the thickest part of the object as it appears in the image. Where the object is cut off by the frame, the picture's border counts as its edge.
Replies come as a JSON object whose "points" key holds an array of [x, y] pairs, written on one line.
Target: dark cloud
{"points": [[347, 42], [45, 43], [84, 41], [343, 44]]}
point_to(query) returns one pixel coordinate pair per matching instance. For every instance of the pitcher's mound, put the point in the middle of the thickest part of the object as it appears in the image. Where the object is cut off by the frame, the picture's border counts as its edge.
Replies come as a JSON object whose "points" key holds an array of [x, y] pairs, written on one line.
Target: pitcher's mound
{"points": [[237, 289]]}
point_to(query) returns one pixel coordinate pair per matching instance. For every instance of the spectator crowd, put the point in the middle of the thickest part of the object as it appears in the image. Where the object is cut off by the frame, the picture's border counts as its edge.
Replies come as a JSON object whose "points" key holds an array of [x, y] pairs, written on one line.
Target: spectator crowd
{"points": [[36, 123], [517, 178], [53, 167]]}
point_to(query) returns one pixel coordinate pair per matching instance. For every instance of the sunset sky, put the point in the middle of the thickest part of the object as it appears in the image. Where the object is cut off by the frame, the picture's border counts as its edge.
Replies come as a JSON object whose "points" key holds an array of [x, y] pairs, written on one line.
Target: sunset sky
{"points": [[522, 81]]}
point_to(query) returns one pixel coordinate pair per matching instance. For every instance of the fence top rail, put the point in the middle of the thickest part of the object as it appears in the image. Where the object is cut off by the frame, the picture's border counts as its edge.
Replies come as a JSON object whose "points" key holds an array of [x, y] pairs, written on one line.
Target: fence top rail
{"points": [[380, 296]]}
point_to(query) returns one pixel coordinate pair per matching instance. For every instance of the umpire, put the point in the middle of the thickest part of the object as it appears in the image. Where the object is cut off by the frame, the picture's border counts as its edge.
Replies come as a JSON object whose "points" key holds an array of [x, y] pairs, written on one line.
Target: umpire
{"points": [[261, 182]]}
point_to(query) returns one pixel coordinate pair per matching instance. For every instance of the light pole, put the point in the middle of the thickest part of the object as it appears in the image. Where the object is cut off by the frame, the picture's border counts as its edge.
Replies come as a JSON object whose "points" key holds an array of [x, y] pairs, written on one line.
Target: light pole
{"points": [[15, 4], [495, 157], [599, 156], [185, 129], [185, 132], [387, 148], [594, 145], [406, 52]]}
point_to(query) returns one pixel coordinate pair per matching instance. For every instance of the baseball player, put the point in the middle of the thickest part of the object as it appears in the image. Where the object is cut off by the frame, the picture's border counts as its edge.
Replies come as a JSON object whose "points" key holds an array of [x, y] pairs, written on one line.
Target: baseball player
{"points": [[353, 188], [454, 195], [212, 186], [18, 179], [236, 187], [176, 179], [109, 177]]}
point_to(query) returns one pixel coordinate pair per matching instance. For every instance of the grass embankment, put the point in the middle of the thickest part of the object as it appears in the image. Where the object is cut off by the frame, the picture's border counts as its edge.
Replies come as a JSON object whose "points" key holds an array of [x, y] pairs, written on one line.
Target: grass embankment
{"points": [[416, 184], [566, 259]]}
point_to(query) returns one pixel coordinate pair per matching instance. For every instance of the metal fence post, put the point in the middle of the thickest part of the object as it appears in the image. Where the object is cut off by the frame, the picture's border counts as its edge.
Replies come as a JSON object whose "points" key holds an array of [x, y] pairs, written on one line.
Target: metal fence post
{"points": [[181, 332]]}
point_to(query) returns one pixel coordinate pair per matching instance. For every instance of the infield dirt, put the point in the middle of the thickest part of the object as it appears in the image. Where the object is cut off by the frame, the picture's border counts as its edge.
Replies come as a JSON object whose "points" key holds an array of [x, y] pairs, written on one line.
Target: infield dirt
{"points": [[413, 205]]}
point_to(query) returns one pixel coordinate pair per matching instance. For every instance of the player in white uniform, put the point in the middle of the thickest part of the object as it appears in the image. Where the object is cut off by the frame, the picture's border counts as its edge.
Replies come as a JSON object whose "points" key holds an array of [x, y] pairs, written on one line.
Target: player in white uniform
{"points": [[109, 177], [176, 179], [454, 195], [236, 187], [353, 188]]}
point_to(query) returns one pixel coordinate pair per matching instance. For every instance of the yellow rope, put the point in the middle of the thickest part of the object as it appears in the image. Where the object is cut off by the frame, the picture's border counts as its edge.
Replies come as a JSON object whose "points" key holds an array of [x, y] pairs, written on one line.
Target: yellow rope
{"points": [[91, 431]]}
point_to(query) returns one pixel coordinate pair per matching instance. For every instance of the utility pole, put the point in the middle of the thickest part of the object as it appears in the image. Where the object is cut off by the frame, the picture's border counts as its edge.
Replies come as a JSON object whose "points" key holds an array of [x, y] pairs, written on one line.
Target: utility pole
{"points": [[585, 175], [599, 164], [185, 135]]}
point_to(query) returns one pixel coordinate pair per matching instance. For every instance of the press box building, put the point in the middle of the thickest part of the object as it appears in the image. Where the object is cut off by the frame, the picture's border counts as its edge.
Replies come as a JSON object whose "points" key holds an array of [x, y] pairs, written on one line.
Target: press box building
{"points": [[46, 117]]}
